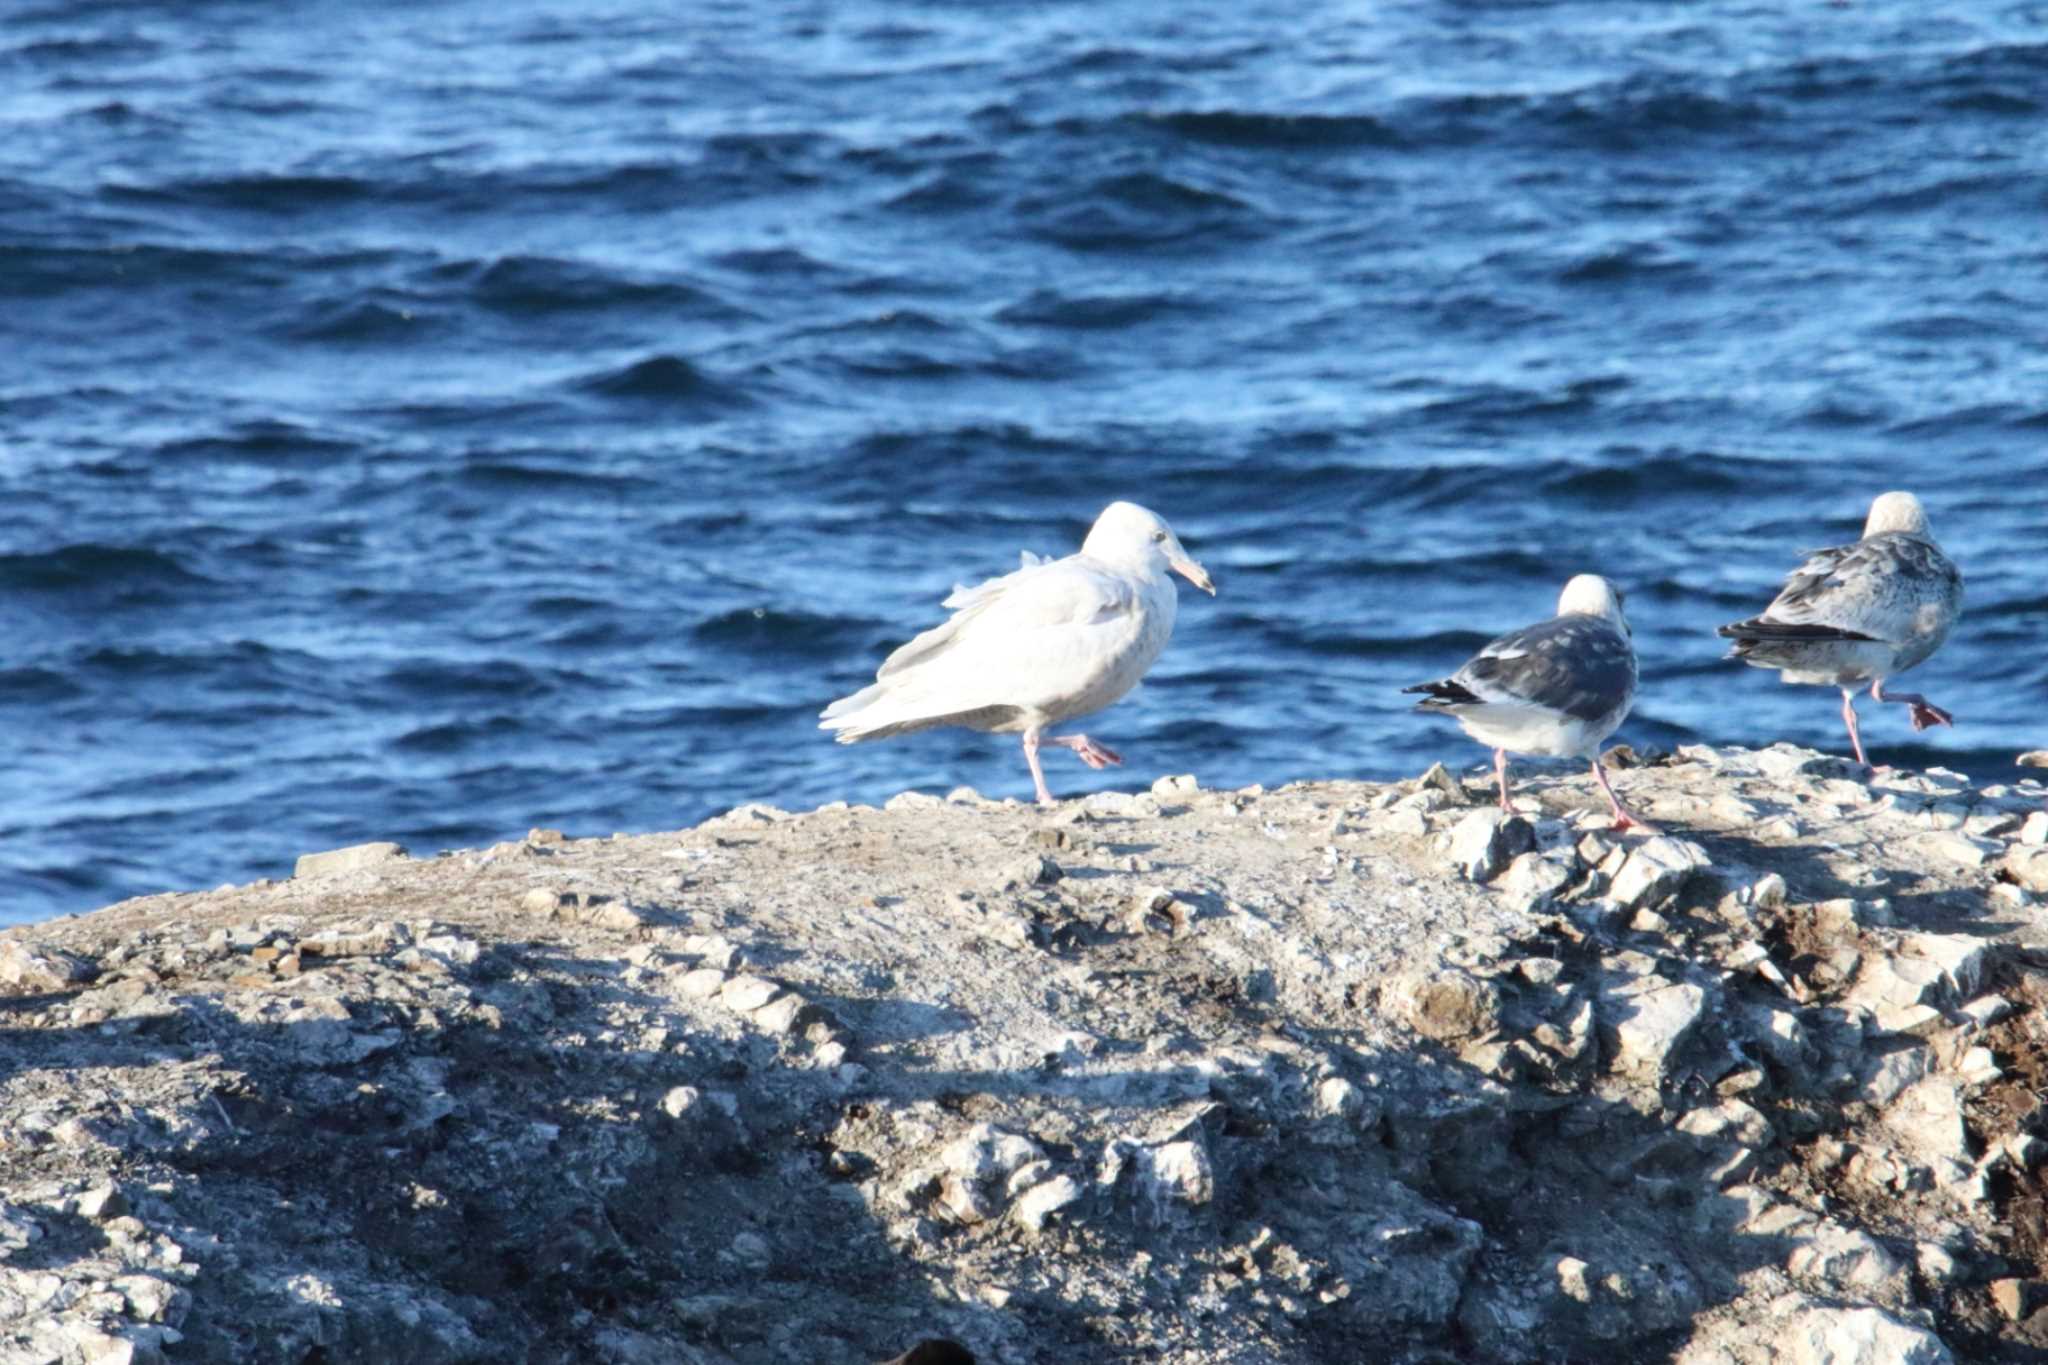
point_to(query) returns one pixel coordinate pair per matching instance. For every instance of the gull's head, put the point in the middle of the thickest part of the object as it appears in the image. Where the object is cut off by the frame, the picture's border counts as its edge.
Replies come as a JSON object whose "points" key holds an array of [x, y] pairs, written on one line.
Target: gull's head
{"points": [[1131, 536], [1896, 512], [1591, 595]]}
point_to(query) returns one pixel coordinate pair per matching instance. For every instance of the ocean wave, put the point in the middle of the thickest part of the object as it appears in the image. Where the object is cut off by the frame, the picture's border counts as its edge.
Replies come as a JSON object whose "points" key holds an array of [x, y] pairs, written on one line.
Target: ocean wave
{"points": [[264, 441], [555, 480], [1090, 312], [1313, 132], [1636, 477], [666, 379], [255, 193], [1627, 262], [1139, 209], [454, 736], [432, 680], [543, 284], [92, 565], [780, 632], [361, 320], [35, 686]]}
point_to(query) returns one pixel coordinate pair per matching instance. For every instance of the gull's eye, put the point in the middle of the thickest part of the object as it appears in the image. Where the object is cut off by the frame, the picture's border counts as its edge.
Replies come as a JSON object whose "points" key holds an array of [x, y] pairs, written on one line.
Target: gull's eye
{"points": [[1159, 537]]}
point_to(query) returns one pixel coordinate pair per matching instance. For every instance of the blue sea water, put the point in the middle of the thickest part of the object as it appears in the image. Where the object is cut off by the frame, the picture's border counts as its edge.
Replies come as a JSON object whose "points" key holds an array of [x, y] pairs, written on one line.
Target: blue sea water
{"points": [[430, 421]]}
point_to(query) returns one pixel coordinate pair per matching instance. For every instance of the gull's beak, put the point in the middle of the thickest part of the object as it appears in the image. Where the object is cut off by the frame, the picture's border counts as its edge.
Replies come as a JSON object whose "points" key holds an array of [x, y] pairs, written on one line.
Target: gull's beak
{"points": [[1192, 572]]}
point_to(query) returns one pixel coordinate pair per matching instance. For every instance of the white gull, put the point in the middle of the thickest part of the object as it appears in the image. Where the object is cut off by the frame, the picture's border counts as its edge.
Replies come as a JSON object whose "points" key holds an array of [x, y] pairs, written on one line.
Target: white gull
{"points": [[1056, 639]]}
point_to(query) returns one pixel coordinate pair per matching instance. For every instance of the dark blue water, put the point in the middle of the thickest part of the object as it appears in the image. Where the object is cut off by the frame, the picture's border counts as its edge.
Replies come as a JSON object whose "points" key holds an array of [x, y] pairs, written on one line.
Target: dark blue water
{"points": [[430, 421]]}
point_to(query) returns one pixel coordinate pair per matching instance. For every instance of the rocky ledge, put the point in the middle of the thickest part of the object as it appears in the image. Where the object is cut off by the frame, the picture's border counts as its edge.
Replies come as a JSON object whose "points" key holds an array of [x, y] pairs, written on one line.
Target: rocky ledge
{"points": [[1333, 1072]]}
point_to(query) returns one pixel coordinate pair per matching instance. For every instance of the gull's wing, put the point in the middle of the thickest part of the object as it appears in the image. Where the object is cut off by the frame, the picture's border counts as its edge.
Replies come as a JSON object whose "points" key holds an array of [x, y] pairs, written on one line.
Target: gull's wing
{"points": [[1577, 666]]}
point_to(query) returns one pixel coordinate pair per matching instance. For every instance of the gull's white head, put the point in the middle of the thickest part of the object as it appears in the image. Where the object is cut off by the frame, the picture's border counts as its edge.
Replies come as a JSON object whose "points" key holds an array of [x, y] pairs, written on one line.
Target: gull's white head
{"points": [[1591, 595], [1896, 512], [1130, 536]]}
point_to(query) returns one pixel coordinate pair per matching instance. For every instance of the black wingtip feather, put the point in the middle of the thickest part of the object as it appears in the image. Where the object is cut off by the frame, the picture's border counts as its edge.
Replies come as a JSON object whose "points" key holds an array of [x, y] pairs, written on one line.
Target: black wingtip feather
{"points": [[1444, 692], [1784, 630]]}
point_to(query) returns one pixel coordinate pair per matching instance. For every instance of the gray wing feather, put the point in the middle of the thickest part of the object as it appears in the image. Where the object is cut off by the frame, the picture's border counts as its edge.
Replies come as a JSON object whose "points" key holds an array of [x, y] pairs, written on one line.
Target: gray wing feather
{"points": [[1580, 666], [1875, 586]]}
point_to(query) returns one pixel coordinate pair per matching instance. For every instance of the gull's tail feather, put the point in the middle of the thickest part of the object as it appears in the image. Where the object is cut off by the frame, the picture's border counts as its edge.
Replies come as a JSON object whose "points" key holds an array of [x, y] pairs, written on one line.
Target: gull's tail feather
{"points": [[883, 710]]}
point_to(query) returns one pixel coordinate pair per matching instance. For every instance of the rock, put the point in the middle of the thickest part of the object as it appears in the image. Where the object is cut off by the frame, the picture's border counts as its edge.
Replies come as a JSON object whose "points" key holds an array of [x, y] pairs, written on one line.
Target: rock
{"points": [[1987, 1010], [985, 1152], [701, 984], [2037, 758], [26, 968], [1964, 850], [1446, 1005], [102, 1202], [1532, 880], [1160, 1183], [1039, 1203], [1961, 958], [1405, 1259], [786, 1014], [1656, 868], [1339, 1099], [1892, 1073], [2027, 864], [1181, 1174], [2034, 831], [1482, 843], [1843, 1258], [1928, 1119], [744, 994], [1897, 983], [1767, 892], [354, 858], [936, 1351], [1853, 1336], [2019, 1300], [1441, 780], [1648, 1021], [1032, 870]]}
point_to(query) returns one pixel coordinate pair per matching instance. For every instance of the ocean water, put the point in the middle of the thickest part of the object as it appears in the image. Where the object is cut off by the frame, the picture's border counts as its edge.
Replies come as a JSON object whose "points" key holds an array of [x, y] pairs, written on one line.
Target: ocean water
{"points": [[431, 421]]}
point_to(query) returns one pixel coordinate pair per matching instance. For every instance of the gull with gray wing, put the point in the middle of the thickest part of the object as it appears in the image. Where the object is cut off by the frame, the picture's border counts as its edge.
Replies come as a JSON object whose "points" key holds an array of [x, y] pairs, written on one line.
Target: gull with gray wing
{"points": [[1861, 613], [1056, 639], [1559, 687]]}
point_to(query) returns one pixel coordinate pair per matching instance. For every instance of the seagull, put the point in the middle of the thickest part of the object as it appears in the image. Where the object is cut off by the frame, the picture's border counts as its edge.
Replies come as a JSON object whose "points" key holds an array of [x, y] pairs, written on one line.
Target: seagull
{"points": [[1558, 687], [1861, 613], [1057, 639]]}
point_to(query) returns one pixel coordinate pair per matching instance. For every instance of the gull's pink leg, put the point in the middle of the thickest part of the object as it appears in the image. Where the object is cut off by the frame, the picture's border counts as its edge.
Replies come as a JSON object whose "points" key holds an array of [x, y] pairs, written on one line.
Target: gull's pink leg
{"points": [[1922, 712], [1045, 797], [1093, 754], [1849, 716], [1500, 773], [1622, 819]]}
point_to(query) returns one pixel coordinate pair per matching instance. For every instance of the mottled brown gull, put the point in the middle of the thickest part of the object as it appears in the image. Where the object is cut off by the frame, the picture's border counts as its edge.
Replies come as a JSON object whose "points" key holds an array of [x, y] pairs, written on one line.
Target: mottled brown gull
{"points": [[1861, 613], [1056, 639], [1559, 687]]}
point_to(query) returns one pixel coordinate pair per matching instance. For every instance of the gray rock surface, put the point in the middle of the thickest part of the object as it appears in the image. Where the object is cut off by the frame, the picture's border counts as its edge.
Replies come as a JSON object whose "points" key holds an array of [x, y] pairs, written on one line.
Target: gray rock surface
{"points": [[1332, 1072]]}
